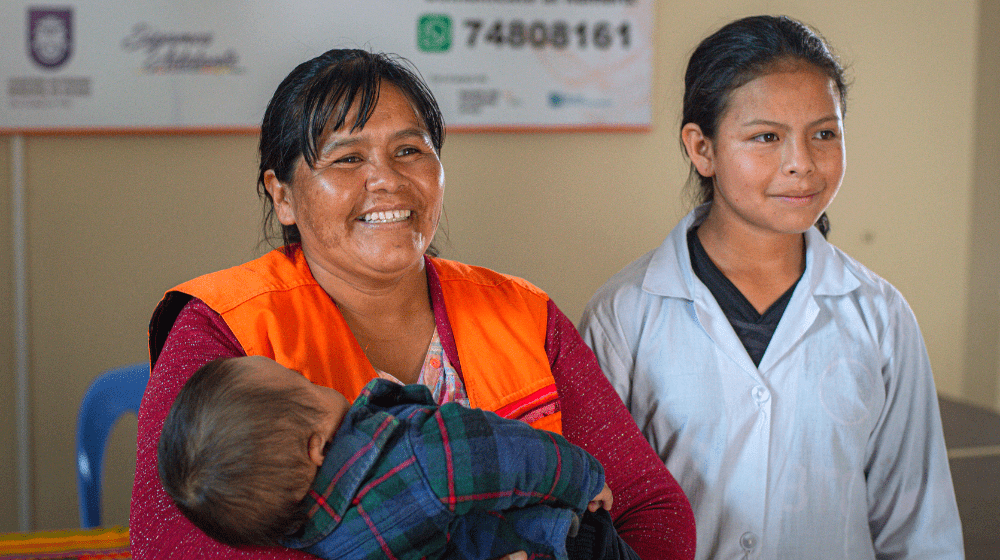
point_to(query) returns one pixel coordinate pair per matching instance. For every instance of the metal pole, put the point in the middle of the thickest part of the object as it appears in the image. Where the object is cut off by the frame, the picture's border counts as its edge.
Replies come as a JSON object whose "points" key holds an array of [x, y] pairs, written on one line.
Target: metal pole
{"points": [[21, 381]]}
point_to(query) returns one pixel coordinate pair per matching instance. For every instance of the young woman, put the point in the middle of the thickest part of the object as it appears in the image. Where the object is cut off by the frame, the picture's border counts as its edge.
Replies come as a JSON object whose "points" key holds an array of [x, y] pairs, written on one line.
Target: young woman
{"points": [[785, 385]]}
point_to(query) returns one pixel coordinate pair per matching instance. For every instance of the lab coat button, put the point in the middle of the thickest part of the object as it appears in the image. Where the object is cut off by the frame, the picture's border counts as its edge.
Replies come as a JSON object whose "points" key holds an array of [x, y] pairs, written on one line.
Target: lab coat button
{"points": [[748, 542], [759, 394]]}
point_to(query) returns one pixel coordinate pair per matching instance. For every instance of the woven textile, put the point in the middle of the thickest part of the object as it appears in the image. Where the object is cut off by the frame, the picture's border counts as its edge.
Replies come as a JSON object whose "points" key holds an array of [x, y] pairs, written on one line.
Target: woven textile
{"points": [[80, 544]]}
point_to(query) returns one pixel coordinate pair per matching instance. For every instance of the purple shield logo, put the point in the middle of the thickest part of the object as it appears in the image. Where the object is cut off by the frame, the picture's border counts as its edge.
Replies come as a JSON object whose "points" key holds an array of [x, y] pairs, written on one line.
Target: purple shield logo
{"points": [[50, 36]]}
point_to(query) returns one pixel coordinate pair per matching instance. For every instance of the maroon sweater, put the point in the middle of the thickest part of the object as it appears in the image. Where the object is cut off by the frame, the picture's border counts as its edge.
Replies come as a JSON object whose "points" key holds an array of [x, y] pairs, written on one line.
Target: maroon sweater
{"points": [[650, 511]]}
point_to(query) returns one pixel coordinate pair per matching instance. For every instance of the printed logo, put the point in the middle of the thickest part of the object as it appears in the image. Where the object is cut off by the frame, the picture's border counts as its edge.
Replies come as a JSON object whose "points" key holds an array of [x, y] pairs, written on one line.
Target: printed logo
{"points": [[434, 33], [50, 36]]}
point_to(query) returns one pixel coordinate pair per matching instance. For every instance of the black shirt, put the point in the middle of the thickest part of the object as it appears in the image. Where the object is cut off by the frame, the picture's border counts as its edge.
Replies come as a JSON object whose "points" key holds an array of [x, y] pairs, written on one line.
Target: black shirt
{"points": [[752, 328]]}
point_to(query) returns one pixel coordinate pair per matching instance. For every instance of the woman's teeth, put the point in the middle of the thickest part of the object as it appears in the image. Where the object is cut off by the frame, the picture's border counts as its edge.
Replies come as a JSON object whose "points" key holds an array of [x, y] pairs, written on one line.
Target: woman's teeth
{"points": [[386, 217]]}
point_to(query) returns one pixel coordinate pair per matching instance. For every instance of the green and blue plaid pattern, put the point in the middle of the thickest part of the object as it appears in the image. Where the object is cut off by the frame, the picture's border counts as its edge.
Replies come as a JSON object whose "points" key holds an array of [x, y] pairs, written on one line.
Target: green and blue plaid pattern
{"points": [[405, 479]]}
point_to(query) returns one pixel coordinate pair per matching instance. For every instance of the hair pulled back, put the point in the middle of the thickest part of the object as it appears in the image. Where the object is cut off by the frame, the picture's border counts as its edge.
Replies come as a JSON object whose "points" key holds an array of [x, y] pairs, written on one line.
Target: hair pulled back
{"points": [[316, 97], [738, 53]]}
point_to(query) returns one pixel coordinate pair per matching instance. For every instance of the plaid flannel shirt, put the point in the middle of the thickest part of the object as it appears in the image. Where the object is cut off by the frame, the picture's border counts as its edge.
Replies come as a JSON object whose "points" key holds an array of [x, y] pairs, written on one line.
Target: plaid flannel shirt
{"points": [[405, 478]]}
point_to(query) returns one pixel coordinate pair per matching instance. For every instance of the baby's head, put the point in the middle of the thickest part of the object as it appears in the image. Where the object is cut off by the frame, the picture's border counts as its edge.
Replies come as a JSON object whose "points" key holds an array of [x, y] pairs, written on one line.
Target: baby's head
{"points": [[241, 446]]}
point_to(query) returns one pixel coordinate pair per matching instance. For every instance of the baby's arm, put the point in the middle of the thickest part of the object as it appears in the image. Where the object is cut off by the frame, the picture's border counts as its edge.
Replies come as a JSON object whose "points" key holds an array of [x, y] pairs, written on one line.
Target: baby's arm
{"points": [[476, 460]]}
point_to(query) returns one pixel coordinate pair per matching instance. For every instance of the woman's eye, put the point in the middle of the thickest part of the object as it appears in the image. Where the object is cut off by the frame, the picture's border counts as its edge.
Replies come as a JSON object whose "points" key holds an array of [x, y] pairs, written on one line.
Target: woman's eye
{"points": [[348, 159], [826, 135], [766, 137], [409, 150]]}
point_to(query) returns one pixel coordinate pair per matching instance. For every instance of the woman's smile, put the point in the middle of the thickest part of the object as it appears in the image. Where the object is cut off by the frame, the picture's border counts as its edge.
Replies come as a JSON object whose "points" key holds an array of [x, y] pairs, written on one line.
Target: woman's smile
{"points": [[798, 200], [386, 217]]}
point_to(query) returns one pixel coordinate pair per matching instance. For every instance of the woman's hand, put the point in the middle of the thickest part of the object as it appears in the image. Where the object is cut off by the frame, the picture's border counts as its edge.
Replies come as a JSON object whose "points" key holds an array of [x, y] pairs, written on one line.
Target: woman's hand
{"points": [[603, 499]]}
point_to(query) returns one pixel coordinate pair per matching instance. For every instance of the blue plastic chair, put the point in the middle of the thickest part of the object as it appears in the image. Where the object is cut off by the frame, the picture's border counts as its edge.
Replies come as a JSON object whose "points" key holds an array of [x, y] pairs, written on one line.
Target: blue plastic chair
{"points": [[112, 394]]}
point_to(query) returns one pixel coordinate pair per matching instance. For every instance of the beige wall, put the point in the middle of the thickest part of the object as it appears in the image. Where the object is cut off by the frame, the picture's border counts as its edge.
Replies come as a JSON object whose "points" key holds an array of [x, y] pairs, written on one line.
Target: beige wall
{"points": [[8, 437], [113, 221], [983, 322]]}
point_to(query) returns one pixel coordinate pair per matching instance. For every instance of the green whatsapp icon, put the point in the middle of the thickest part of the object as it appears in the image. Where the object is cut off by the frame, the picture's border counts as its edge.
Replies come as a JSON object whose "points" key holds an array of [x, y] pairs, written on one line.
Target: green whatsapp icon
{"points": [[434, 33]]}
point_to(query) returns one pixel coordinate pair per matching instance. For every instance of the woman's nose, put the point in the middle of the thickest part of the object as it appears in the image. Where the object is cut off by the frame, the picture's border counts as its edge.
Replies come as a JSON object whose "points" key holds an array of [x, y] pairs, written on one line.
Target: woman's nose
{"points": [[383, 176], [798, 158]]}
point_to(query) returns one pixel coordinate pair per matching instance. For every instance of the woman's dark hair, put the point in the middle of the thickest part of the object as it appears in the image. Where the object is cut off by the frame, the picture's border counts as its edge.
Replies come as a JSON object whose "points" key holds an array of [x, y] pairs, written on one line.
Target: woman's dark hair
{"points": [[738, 53], [231, 455], [316, 97]]}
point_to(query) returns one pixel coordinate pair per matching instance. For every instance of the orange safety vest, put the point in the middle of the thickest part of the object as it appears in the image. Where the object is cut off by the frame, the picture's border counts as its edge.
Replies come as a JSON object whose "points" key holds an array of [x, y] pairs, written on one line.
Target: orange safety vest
{"points": [[276, 308]]}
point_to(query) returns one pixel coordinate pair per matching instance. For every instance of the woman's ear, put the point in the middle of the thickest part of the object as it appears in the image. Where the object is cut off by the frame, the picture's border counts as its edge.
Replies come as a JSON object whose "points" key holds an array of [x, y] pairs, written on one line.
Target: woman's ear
{"points": [[281, 194], [699, 149]]}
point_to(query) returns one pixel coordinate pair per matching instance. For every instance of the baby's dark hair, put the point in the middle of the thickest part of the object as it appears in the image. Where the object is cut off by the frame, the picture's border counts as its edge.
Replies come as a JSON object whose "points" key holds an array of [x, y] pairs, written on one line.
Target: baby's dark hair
{"points": [[233, 455]]}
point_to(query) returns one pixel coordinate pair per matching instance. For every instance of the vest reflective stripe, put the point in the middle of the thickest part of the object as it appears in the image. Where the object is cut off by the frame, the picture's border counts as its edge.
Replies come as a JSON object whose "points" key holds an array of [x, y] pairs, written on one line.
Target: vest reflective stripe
{"points": [[500, 323], [276, 309]]}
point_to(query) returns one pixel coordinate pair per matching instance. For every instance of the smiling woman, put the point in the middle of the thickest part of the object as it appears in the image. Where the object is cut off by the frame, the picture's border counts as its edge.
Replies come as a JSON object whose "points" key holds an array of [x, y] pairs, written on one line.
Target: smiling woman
{"points": [[777, 161], [368, 207], [351, 174]]}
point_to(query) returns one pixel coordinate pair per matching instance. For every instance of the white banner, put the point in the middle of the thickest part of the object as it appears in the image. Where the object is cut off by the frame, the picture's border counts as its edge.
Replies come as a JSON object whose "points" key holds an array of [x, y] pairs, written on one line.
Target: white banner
{"points": [[119, 65]]}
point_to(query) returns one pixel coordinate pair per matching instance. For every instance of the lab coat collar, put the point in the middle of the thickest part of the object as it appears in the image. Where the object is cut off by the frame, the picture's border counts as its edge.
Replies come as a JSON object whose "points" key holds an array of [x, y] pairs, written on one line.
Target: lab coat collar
{"points": [[670, 275]]}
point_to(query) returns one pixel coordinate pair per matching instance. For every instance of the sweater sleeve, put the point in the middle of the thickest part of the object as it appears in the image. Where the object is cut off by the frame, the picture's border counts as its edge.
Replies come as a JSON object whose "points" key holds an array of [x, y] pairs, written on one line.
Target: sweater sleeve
{"points": [[650, 511], [157, 529], [478, 461]]}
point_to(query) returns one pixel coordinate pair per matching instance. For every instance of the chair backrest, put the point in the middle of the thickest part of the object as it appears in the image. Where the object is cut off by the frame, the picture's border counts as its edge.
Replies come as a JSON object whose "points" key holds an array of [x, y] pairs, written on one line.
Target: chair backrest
{"points": [[112, 394]]}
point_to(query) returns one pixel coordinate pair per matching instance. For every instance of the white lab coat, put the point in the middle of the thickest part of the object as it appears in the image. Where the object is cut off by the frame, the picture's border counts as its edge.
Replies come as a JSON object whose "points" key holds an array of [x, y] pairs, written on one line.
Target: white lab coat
{"points": [[831, 449]]}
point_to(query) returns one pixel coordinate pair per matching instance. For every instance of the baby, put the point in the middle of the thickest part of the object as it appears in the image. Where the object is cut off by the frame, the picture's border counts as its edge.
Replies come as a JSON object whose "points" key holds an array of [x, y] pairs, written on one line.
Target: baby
{"points": [[253, 453]]}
